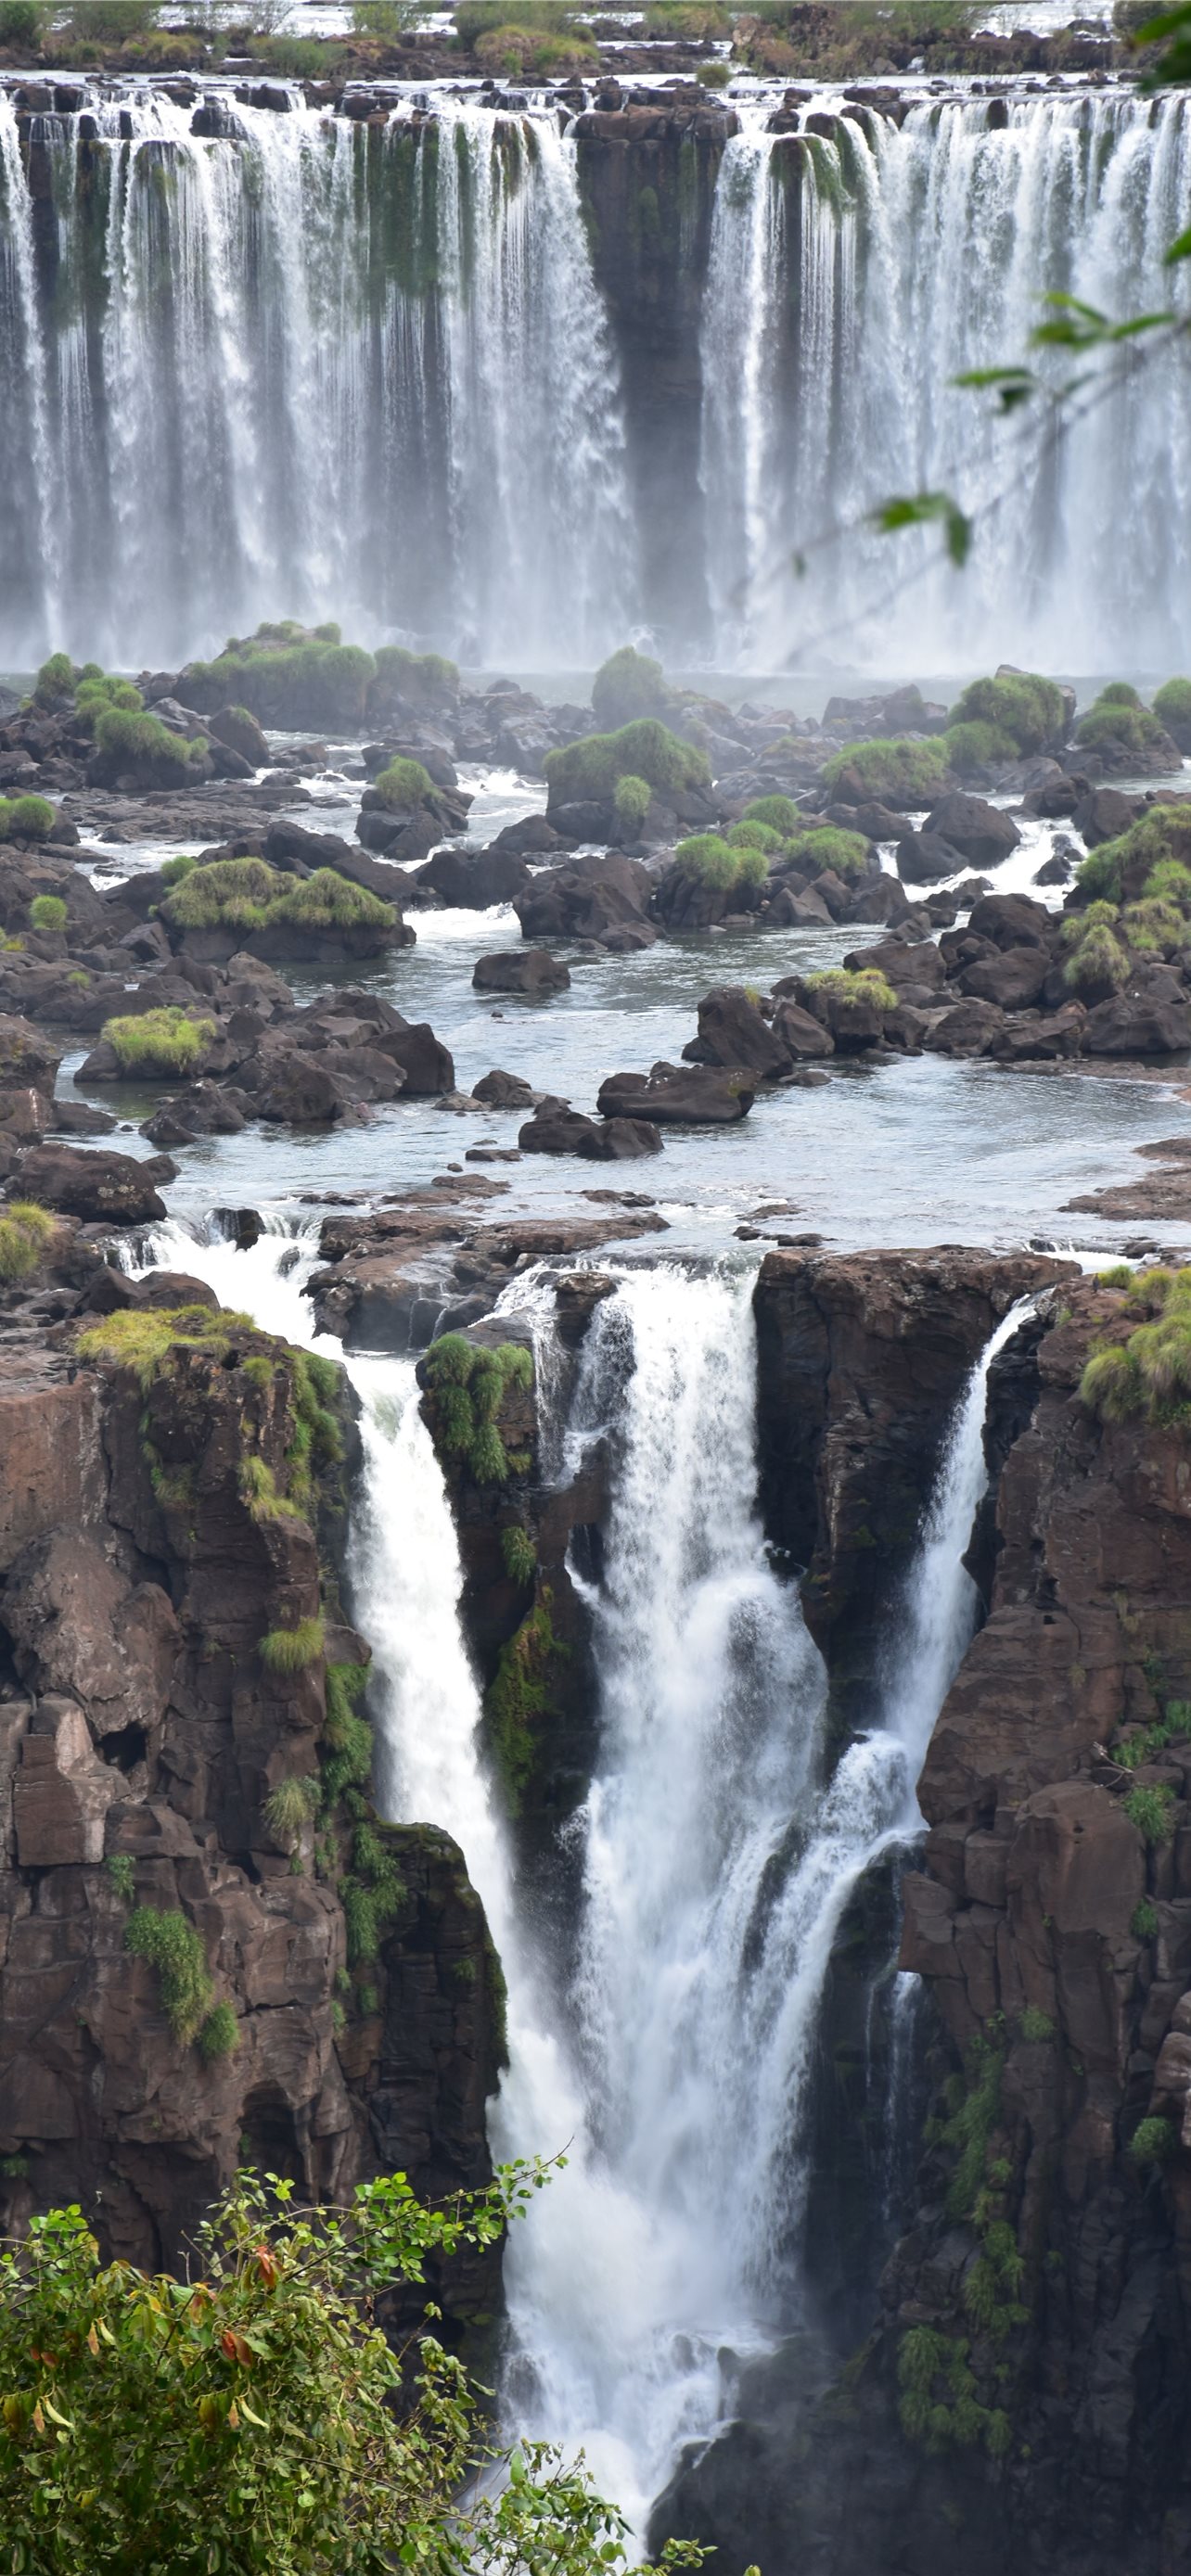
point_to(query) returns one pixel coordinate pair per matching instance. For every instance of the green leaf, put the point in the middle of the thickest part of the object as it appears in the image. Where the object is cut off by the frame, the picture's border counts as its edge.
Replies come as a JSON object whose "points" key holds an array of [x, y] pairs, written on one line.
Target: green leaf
{"points": [[920, 509], [1180, 248]]}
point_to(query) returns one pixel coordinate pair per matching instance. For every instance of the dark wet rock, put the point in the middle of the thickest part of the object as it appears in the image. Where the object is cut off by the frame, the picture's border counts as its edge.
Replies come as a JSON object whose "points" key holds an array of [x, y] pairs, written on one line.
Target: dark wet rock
{"points": [[598, 1140], [923, 857], [1137, 1024], [971, 1028], [732, 1032], [1013, 978], [503, 1091], [474, 880], [674, 1095], [982, 833], [530, 972], [586, 899], [100, 1187]]}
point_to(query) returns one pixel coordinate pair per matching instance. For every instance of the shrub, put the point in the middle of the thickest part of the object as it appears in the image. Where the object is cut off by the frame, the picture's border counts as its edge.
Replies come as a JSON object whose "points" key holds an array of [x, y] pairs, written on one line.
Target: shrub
{"points": [[422, 676], [1144, 1921], [754, 836], [1020, 704], [899, 767], [646, 749], [25, 818], [1149, 1374], [25, 1232], [716, 862], [1172, 706], [519, 1553], [149, 1339], [292, 1650], [245, 894], [632, 802], [290, 1806], [173, 1948], [1035, 2025], [849, 987], [55, 679], [1098, 960], [95, 695], [1122, 718], [121, 1869], [627, 685], [1155, 925], [327, 901], [404, 782], [175, 869], [1153, 2140], [521, 1692], [1152, 1811], [219, 2035], [469, 1383], [823, 847], [204, 896], [976, 745], [47, 912], [780, 813], [159, 1042], [1151, 858], [124, 735]]}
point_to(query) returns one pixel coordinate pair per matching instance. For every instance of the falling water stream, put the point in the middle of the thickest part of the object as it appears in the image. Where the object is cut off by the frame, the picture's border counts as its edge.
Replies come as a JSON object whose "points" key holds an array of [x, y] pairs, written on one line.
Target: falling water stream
{"points": [[717, 1854]]}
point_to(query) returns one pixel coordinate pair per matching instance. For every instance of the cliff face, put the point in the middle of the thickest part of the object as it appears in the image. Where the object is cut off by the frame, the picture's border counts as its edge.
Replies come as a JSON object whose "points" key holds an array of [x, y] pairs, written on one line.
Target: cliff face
{"points": [[1022, 2396], [171, 1491]]}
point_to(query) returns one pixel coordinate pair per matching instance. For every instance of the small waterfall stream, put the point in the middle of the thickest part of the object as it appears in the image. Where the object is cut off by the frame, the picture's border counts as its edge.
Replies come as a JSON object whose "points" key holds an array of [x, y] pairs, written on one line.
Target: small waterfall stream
{"points": [[717, 1857]]}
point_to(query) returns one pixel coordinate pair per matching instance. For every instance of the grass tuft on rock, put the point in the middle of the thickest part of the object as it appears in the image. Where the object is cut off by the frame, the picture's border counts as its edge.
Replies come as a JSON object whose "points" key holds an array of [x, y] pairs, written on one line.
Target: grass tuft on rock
{"points": [[165, 1042], [850, 988], [404, 783], [26, 818], [898, 767], [825, 848], [173, 1948], [48, 912], [26, 1232], [589, 769], [288, 1651], [1019, 705]]}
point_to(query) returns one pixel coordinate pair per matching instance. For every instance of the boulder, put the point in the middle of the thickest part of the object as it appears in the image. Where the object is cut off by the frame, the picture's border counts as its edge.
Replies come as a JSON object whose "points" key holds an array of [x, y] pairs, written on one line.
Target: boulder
{"points": [[532, 972], [1041, 1037], [204, 1110], [585, 899], [733, 1033], [924, 857], [1013, 978], [803, 1037], [27, 1056], [598, 1140], [1137, 1024], [1012, 921], [99, 1187], [790, 911], [503, 1091], [673, 1095], [474, 880], [972, 1028], [982, 833], [1103, 813], [241, 732], [911, 966]]}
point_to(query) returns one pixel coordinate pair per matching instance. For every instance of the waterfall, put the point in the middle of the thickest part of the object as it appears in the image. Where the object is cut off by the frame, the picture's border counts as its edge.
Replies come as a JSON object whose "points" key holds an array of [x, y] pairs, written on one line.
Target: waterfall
{"points": [[717, 1854], [304, 366], [853, 275]]}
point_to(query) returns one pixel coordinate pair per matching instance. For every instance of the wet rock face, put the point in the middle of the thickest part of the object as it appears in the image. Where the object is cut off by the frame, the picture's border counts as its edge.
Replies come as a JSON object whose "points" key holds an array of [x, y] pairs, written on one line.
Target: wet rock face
{"points": [[153, 1533], [861, 1360]]}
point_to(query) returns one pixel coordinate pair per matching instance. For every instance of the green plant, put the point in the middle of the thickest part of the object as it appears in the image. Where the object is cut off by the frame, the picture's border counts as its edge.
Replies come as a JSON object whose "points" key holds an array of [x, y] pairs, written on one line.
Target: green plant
{"points": [[1119, 1276], [1143, 1922], [1098, 960], [121, 1869], [754, 836], [469, 1383], [897, 767], [125, 735], [823, 847], [173, 1948], [521, 1692], [26, 1231], [519, 1553], [96, 692], [367, 2001], [938, 2402], [404, 782], [165, 1042], [1149, 1374], [47, 912], [632, 802], [175, 869], [1019, 704], [14, 2168], [288, 1651], [348, 1734], [1152, 1810], [627, 685], [1118, 716], [251, 2416], [1172, 706], [1155, 926], [149, 1339], [220, 2033], [645, 749], [54, 681], [290, 1806], [338, 2018], [1035, 2025], [975, 745], [26, 818], [850, 988], [716, 862], [371, 1894], [1153, 2140], [779, 813], [245, 894]]}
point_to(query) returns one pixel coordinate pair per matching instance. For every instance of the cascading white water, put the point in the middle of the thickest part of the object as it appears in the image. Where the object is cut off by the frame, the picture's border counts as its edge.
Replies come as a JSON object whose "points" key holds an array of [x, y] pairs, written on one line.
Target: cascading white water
{"points": [[304, 367], [851, 280], [717, 1861]]}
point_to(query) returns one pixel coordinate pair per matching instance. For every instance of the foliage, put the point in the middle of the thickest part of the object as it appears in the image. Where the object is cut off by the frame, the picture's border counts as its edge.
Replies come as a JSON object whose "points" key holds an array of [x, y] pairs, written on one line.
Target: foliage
{"points": [[1099, 960], [48, 912], [1150, 1374], [716, 862], [937, 2398], [56, 678], [973, 746], [148, 1339], [426, 677], [1151, 857], [173, 1948], [248, 895], [290, 1806], [26, 818], [469, 1383], [1114, 718], [1020, 704], [779, 812], [1153, 2140], [220, 2034], [121, 1869], [159, 1042], [348, 1734], [897, 767], [632, 802], [850, 988], [285, 674], [142, 738], [521, 1692], [1035, 2025], [1143, 1922], [371, 1894], [288, 1651], [627, 685], [519, 1553], [404, 783], [1155, 926], [25, 1232], [248, 2420], [645, 749], [99, 691], [1152, 1810], [823, 847], [1172, 706], [747, 835], [973, 2107]]}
